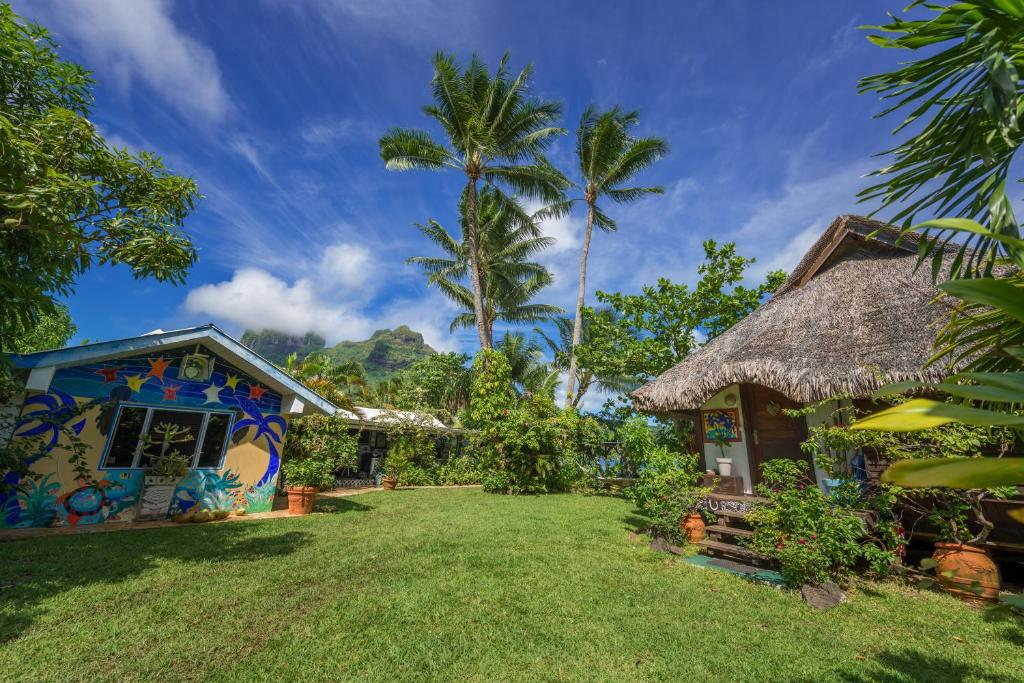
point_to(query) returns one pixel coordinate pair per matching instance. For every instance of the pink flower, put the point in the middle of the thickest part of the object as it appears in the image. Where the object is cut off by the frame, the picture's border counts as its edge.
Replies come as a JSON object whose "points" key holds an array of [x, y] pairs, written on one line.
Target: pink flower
{"points": [[803, 541]]}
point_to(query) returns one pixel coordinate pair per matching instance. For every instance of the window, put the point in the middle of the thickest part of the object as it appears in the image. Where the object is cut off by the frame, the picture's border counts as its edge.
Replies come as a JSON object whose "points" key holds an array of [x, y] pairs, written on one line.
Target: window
{"points": [[200, 435]]}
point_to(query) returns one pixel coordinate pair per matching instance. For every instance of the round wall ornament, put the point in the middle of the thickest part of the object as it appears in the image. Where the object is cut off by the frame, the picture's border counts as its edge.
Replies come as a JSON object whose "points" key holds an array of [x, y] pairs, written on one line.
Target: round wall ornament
{"points": [[773, 408]]}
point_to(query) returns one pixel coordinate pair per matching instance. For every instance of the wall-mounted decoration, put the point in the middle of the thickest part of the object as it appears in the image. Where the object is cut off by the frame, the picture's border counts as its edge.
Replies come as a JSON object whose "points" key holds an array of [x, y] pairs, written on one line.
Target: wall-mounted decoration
{"points": [[730, 399], [721, 424], [196, 367], [773, 408]]}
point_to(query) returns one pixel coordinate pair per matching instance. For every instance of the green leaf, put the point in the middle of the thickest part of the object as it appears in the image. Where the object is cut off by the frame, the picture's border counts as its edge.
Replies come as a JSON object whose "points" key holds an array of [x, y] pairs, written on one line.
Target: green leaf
{"points": [[926, 413], [956, 473], [928, 563], [1002, 294]]}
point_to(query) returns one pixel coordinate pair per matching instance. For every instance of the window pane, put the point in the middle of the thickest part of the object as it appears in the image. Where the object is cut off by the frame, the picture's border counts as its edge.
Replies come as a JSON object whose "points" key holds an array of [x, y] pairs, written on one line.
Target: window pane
{"points": [[126, 437], [213, 442], [163, 425]]}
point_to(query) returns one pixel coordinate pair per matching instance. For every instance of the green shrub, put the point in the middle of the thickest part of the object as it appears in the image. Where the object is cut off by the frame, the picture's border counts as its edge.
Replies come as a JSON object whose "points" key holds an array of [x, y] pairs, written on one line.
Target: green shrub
{"points": [[667, 489], [315, 448], [458, 471], [414, 475], [813, 538]]}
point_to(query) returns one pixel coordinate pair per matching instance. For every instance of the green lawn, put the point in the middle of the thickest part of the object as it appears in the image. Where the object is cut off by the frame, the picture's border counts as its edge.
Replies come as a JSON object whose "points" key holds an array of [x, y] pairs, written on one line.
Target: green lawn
{"points": [[454, 585]]}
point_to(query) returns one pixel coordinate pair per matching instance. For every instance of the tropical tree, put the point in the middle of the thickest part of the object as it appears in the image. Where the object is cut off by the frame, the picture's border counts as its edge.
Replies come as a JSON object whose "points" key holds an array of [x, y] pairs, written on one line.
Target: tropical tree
{"points": [[971, 88], [496, 132], [51, 330], [508, 280], [609, 157], [67, 199], [528, 371], [333, 381], [561, 348], [650, 332]]}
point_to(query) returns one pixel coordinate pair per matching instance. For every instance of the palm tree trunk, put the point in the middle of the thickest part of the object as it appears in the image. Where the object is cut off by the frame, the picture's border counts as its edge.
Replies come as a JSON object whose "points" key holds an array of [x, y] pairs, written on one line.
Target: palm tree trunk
{"points": [[474, 268], [577, 328]]}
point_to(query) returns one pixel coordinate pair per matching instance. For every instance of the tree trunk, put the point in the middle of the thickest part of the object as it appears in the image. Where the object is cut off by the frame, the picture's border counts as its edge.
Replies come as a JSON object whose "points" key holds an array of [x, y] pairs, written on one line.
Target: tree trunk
{"points": [[474, 265], [577, 328]]}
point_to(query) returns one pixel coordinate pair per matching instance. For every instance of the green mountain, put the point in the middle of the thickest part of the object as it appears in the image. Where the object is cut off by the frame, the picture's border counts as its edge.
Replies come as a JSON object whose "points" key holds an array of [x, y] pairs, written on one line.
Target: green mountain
{"points": [[277, 346], [384, 353]]}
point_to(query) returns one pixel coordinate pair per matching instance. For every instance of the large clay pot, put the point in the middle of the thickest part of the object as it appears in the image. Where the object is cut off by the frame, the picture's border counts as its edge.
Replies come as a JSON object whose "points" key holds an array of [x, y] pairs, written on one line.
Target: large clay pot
{"points": [[389, 483], [959, 566], [692, 527], [300, 499]]}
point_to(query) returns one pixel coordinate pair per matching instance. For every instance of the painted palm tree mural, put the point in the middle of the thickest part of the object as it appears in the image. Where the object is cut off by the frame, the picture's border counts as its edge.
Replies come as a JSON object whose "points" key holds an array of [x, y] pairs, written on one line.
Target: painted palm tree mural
{"points": [[264, 425]]}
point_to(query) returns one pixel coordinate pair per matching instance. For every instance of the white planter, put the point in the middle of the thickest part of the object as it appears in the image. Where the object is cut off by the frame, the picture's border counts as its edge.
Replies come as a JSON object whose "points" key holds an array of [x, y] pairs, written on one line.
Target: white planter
{"points": [[724, 466], [157, 494]]}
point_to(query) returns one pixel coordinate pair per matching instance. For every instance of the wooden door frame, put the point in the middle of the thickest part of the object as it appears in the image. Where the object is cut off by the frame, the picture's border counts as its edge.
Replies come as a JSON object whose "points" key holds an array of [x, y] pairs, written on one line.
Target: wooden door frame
{"points": [[753, 448], [755, 456]]}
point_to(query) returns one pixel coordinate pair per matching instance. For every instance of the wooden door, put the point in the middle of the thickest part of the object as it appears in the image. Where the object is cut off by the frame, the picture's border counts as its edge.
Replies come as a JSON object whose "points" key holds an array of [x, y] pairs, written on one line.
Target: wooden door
{"points": [[771, 434]]}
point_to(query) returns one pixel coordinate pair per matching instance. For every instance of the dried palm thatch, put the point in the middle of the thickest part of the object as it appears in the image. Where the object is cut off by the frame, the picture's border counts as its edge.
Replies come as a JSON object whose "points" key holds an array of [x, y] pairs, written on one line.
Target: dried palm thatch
{"points": [[853, 316]]}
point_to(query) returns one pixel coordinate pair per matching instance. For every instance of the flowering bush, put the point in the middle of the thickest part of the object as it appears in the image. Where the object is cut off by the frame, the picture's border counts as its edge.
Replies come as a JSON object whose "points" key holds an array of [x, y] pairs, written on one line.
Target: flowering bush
{"points": [[316, 447], [812, 537], [666, 490]]}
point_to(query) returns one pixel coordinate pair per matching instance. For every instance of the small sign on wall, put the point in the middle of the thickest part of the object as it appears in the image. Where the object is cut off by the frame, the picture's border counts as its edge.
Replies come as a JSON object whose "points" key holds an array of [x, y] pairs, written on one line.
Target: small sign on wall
{"points": [[721, 424]]}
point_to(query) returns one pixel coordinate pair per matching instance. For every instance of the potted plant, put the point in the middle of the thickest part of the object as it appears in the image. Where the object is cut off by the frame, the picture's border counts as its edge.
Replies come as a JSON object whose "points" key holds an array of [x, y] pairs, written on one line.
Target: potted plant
{"points": [[166, 470], [409, 436], [724, 463], [318, 446], [963, 566], [691, 523], [389, 479]]}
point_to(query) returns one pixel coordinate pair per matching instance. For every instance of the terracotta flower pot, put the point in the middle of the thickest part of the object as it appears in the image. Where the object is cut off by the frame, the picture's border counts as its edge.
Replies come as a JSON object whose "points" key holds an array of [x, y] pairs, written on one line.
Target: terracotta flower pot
{"points": [[389, 483], [300, 499], [959, 566], [693, 527]]}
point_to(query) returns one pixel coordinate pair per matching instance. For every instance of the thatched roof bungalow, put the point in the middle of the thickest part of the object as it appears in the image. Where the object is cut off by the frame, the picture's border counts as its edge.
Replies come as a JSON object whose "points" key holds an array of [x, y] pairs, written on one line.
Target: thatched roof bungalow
{"points": [[854, 315]]}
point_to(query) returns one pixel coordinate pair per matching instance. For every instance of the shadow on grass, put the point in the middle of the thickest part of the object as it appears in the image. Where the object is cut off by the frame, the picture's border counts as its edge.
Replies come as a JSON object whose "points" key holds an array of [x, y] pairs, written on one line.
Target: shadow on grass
{"points": [[324, 504], [1010, 625], [636, 522], [35, 570], [900, 666]]}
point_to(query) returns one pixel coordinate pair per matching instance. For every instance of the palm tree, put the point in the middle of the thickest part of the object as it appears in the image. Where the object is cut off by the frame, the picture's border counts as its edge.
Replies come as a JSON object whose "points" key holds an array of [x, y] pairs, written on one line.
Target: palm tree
{"points": [[562, 350], [335, 382], [509, 281], [609, 157], [492, 126], [529, 372]]}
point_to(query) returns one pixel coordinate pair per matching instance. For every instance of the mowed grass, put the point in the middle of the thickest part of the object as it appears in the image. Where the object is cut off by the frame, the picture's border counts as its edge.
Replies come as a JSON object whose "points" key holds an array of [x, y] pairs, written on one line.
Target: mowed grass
{"points": [[454, 585]]}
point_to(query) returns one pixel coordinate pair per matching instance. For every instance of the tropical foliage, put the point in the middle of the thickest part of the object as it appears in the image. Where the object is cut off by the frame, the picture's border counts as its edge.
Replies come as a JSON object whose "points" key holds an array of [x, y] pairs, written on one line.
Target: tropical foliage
{"points": [[495, 131], [318, 446], [507, 238], [650, 332], [666, 488], [609, 157], [67, 199], [965, 97]]}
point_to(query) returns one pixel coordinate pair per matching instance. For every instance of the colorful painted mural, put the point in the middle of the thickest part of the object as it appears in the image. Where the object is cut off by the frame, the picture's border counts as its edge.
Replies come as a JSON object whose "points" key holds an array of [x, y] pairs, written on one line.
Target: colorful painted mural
{"points": [[721, 424], [69, 486]]}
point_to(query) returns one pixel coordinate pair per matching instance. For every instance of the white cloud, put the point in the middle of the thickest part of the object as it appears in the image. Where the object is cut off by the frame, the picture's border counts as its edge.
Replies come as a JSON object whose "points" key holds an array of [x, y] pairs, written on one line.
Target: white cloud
{"points": [[679, 191], [325, 133], [348, 265], [324, 302], [566, 230], [137, 40]]}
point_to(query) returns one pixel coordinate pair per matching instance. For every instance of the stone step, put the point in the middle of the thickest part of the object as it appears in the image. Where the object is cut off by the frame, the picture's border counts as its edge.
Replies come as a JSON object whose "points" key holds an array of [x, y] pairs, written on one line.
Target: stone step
{"points": [[717, 548], [722, 530], [732, 514]]}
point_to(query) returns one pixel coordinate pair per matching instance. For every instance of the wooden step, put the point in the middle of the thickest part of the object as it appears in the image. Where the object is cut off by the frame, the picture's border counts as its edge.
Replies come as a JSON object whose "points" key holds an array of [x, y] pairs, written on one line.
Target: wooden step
{"points": [[731, 550], [737, 499], [729, 531], [734, 514]]}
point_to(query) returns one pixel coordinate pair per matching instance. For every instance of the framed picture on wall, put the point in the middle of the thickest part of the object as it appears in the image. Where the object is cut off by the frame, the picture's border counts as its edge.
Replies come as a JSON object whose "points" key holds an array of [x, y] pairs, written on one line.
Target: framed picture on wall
{"points": [[721, 424]]}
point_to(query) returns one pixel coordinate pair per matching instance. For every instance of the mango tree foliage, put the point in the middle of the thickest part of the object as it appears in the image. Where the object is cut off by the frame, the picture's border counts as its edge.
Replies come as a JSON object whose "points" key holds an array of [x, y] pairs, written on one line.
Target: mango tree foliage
{"points": [[652, 331], [51, 330], [67, 199]]}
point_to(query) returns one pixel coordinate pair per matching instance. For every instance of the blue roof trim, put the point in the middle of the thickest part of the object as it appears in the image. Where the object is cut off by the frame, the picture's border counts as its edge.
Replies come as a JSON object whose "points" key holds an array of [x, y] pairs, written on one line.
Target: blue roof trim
{"points": [[75, 355]]}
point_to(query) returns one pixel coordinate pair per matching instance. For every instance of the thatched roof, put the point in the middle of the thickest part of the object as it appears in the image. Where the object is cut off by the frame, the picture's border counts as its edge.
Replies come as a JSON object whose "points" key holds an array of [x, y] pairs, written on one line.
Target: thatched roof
{"points": [[853, 316]]}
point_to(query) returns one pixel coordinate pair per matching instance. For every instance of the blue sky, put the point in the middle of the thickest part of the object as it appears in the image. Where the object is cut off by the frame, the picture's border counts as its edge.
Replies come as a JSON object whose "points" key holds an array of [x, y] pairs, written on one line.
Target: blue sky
{"points": [[275, 108]]}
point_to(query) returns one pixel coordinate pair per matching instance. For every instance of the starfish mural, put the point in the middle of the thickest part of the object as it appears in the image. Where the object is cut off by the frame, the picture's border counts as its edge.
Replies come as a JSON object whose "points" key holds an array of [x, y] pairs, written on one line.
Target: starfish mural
{"points": [[171, 392], [212, 393], [232, 381], [135, 382], [109, 374], [157, 368], [255, 392]]}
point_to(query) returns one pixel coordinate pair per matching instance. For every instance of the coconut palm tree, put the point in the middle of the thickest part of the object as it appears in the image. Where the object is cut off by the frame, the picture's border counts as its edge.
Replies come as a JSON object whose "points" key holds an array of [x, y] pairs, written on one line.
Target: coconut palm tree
{"points": [[529, 373], [508, 280], [609, 158], [496, 132], [561, 348]]}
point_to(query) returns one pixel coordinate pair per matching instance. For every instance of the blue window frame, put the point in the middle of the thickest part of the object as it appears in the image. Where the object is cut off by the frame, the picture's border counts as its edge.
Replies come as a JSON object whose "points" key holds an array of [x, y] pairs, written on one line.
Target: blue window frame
{"points": [[127, 447]]}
